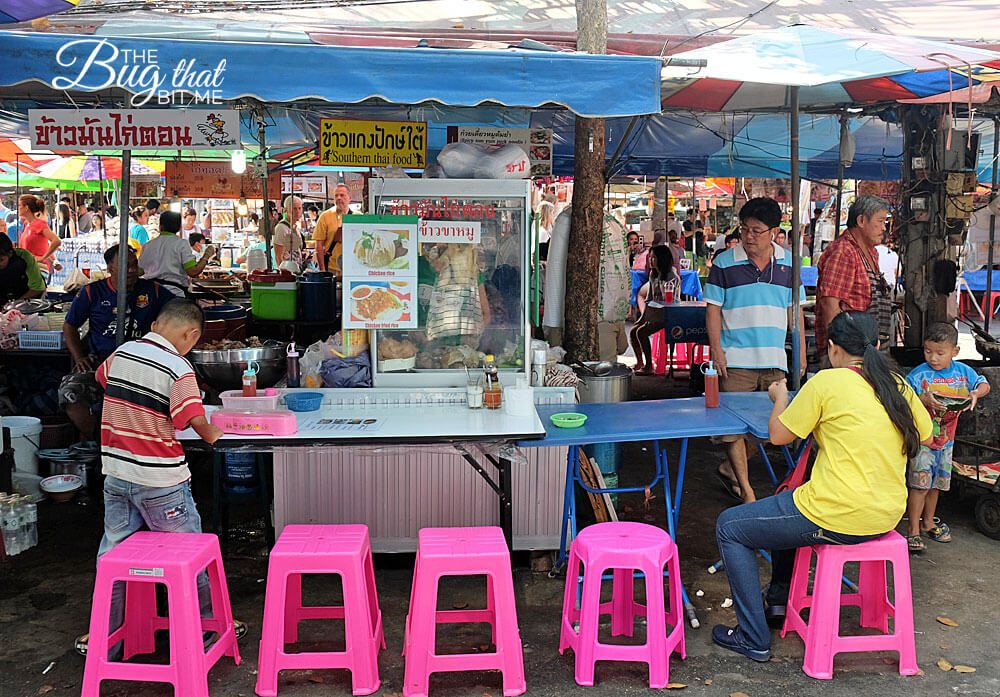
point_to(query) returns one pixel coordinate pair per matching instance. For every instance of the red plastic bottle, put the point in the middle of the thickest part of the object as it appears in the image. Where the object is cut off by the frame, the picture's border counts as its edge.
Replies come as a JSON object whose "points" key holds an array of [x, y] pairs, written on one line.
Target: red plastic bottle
{"points": [[711, 386]]}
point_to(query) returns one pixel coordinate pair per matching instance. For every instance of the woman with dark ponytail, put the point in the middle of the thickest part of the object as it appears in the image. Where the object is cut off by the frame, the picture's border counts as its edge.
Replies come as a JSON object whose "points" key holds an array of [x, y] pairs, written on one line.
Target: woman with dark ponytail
{"points": [[867, 422]]}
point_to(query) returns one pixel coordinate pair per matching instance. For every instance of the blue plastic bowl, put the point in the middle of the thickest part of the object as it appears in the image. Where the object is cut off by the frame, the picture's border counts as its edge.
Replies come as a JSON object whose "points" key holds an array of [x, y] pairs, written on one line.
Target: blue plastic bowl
{"points": [[304, 401]]}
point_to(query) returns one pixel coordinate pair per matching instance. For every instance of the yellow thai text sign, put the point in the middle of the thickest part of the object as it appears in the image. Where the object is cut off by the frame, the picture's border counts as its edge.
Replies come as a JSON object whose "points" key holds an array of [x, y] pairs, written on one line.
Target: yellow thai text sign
{"points": [[357, 143]]}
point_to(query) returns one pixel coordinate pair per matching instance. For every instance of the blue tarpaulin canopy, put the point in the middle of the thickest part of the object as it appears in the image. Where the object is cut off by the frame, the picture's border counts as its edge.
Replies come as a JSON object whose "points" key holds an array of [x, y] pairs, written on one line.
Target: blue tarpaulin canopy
{"points": [[733, 145], [588, 85]]}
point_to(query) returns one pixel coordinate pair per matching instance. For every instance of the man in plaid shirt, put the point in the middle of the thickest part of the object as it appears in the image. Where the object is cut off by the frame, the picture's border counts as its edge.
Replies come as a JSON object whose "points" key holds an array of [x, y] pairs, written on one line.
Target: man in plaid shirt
{"points": [[849, 274]]}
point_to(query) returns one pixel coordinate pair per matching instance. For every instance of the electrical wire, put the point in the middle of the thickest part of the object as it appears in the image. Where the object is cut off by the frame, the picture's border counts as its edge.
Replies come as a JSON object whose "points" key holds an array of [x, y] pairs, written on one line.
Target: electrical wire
{"points": [[741, 20]]}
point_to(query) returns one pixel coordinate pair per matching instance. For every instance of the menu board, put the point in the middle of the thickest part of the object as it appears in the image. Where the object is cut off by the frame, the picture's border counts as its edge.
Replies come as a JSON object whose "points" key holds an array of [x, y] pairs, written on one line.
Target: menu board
{"points": [[380, 246], [311, 186], [333, 425], [223, 220], [536, 142], [380, 271]]}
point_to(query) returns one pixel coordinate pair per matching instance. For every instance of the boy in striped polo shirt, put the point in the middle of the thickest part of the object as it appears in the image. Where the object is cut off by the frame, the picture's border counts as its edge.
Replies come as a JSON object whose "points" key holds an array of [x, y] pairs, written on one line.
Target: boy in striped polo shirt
{"points": [[150, 391], [748, 312]]}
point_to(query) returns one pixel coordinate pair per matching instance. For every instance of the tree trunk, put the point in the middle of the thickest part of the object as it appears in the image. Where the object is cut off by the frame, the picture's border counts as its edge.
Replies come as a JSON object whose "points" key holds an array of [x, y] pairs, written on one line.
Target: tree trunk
{"points": [[586, 228], [587, 223]]}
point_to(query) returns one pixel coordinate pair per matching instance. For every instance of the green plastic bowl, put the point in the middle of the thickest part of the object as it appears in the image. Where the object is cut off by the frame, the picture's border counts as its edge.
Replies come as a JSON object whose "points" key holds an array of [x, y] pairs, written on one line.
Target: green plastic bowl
{"points": [[568, 419]]}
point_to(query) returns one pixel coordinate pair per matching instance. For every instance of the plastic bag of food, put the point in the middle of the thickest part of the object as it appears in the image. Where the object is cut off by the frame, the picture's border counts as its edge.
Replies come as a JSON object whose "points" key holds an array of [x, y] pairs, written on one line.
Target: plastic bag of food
{"points": [[347, 372], [311, 362]]}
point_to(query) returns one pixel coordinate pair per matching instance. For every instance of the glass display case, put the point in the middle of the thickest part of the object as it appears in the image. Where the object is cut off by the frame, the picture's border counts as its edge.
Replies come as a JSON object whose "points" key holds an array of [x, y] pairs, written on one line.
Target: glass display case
{"points": [[472, 278]]}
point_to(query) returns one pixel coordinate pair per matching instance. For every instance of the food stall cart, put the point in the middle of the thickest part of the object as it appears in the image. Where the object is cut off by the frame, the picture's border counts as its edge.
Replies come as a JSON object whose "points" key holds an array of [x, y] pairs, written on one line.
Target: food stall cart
{"points": [[425, 459]]}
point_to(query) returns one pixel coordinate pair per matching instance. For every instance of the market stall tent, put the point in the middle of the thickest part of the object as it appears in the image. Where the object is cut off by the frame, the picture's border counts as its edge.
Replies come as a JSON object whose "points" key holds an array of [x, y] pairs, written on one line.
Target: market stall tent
{"points": [[588, 85], [733, 145]]}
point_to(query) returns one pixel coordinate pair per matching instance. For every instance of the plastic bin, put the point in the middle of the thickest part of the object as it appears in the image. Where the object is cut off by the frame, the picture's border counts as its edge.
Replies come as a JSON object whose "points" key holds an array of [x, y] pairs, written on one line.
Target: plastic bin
{"points": [[25, 434], [234, 317], [46, 340], [278, 300], [303, 401], [316, 296], [235, 401]]}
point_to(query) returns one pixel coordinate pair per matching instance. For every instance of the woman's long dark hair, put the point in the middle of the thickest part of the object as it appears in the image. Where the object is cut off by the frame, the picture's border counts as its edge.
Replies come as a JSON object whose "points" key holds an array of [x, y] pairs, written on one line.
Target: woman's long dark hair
{"points": [[857, 333], [664, 261]]}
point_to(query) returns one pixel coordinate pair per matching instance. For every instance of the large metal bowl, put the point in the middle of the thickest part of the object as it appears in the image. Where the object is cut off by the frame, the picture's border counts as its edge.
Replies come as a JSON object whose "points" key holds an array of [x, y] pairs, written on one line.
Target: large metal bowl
{"points": [[223, 370]]}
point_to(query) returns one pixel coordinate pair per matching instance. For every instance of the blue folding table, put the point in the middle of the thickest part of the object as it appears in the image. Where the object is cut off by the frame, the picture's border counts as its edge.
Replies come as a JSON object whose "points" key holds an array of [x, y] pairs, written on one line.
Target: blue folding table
{"points": [[754, 409], [628, 422]]}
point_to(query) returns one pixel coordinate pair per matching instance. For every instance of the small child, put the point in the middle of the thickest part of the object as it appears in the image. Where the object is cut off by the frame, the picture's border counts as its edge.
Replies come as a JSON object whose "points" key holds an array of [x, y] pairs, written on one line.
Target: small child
{"points": [[151, 390], [930, 472]]}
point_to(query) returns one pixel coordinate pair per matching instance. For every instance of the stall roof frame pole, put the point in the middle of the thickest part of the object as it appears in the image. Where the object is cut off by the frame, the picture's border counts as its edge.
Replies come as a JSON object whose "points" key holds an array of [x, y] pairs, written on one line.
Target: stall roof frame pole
{"points": [[993, 228], [266, 217], [104, 220], [796, 375], [123, 248], [840, 179]]}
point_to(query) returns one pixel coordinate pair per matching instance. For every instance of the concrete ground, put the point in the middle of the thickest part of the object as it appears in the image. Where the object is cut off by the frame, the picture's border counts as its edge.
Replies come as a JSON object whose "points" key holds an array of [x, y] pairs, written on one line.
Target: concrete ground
{"points": [[45, 602]]}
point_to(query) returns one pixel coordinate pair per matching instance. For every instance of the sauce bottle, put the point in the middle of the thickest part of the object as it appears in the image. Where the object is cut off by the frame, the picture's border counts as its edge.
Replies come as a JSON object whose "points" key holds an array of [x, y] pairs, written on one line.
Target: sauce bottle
{"points": [[492, 394], [250, 381], [294, 373], [711, 386]]}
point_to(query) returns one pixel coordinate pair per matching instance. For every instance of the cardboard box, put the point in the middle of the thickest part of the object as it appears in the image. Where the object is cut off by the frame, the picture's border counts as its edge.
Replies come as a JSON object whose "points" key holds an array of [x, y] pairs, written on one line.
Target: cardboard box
{"points": [[958, 206]]}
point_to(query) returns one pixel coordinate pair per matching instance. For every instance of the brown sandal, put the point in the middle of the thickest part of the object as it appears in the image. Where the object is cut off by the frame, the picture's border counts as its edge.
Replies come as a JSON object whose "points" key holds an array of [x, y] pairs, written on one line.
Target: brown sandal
{"points": [[915, 543]]}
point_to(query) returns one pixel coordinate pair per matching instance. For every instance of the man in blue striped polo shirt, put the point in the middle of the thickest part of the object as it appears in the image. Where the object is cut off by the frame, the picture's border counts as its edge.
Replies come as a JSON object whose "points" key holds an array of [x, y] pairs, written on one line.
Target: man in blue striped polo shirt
{"points": [[748, 313]]}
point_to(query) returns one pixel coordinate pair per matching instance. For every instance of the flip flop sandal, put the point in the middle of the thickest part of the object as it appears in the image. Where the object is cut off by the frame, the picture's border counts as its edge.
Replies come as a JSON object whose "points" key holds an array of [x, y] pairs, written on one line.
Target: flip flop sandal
{"points": [[914, 543], [81, 644], [644, 371], [939, 533], [730, 486]]}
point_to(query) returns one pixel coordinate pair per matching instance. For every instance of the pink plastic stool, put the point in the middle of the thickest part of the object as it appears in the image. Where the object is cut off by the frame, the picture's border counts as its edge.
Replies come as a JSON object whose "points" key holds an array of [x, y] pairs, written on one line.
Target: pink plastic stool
{"points": [[321, 549], [822, 633], [174, 559], [623, 548], [660, 353], [462, 552]]}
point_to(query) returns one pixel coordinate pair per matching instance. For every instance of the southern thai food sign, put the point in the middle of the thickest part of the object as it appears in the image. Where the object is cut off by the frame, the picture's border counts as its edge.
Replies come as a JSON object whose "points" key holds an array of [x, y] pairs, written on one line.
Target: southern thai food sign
{"points": [[134, 129], [359, 143]]}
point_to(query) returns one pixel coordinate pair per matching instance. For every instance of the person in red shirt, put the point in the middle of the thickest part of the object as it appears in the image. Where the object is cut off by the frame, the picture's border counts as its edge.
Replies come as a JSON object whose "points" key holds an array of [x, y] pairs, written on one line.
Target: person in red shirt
{"points": [[37, 237], [849, 275]]}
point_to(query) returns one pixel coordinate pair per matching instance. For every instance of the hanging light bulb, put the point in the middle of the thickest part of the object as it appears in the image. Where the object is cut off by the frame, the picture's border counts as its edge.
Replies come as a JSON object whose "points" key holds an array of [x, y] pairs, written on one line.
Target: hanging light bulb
{"points": [[239, 161], [241, 205]]}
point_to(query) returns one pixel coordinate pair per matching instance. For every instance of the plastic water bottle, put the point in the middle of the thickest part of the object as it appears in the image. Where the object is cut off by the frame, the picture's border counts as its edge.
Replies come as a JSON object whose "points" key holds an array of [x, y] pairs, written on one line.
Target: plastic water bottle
{"points": [[31, 515], [11, 528], [21, 511]]}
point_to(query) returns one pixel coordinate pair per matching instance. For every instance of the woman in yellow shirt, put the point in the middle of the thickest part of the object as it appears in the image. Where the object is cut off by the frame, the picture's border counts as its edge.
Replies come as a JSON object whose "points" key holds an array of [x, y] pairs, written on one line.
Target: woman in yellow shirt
{"points": [[867, 421]]}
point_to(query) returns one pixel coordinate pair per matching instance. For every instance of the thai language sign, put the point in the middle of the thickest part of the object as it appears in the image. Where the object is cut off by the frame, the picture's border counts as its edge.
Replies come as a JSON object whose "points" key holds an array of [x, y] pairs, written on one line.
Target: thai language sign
{"points": [[314, 186], [215, 180], [443, 207], [451, 232], [536, 143], [132, 129], [356, 143]]}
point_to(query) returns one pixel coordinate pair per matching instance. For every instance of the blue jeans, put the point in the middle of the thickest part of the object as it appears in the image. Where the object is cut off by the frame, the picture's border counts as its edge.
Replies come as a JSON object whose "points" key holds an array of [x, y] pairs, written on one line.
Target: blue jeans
{"points": [[774, 523], [127, 508]]}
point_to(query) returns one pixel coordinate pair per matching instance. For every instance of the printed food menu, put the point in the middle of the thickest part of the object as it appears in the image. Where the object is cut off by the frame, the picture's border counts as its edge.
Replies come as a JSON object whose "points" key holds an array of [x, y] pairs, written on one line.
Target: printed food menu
{"points": [[380, 271]]}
